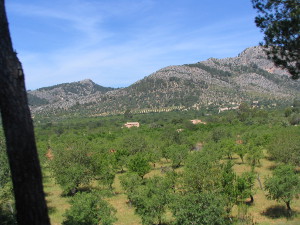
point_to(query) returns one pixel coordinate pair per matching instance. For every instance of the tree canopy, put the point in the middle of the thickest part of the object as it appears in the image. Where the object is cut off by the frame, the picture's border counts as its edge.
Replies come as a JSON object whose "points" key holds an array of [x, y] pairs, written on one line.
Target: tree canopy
{"points": [[279, 20], [284, 185]]}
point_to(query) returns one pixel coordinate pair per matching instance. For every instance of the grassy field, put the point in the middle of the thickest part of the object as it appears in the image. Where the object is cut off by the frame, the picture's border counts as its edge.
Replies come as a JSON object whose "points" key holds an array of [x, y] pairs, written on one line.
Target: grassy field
{"points": [[262, 211]]}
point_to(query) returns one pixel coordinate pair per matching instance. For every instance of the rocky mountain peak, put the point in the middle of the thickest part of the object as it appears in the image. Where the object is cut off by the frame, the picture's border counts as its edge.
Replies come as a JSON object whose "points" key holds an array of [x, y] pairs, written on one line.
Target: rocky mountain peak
{"points": [[212, 83], [87, 81]]}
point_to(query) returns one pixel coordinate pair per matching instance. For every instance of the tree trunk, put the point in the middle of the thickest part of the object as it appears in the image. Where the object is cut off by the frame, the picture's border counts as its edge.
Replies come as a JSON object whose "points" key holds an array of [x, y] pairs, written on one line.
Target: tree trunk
{"points": [[288, 206], [252, 199], [18, 128]]}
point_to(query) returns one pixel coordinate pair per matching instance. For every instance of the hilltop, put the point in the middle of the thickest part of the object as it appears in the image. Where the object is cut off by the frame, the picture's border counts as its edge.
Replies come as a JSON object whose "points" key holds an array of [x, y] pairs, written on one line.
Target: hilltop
{"points": [[212, 83]]}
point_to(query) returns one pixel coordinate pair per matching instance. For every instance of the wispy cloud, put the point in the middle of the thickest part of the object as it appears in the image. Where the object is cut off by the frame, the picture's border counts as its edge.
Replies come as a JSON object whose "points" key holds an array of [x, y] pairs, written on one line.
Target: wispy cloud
{"points": [[115, 43]]}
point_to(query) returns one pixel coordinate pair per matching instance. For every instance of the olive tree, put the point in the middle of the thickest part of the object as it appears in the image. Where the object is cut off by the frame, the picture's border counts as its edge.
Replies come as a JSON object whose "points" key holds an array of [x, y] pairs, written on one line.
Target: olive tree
{"points": [[284, 185], [89, 209]]}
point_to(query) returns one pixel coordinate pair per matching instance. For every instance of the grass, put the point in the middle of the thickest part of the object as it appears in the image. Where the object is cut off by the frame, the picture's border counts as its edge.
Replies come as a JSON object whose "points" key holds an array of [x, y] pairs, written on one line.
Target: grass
{"points": [[263, 211], [57, 205]]}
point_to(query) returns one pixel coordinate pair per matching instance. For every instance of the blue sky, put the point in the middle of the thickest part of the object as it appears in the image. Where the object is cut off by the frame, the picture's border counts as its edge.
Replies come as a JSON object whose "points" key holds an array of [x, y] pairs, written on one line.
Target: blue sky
{"points": [[117, 42]]}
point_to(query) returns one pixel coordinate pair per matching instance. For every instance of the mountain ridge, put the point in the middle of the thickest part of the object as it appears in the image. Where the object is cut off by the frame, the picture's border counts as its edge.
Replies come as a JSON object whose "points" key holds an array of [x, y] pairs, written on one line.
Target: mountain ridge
{"points": [[214, 82]]}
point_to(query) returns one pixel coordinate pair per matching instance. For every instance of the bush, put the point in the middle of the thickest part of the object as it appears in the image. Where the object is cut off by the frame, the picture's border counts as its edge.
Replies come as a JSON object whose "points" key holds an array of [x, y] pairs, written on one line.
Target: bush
{"points": [[199, 208], [89, 209]]}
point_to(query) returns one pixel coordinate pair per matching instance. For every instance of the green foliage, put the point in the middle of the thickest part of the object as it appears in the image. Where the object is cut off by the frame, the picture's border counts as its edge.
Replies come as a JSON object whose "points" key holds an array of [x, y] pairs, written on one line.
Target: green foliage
{"points": [[151, 199], [4, 172], [36, 101], [219, 133], [228, 147], [71, 167], [228, 185], [198, 208], [285, 146], [294, 119], [201, 172], [241, 150], [129, 182], [128, 114], [284, 185], [93, 149], [244, 112], [103, 169], [177, 154], [89, 209], [139, 164], [133, 143], [255, 154], [279, 20], [7, 217], [7, 211], [245, 185], [171, 136], [221, 74], [288, 111]]}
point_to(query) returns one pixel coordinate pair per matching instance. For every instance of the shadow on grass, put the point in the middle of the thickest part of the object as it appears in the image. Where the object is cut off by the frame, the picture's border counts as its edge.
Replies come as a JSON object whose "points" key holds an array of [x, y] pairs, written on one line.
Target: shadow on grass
{"points": [[275, 212], [47, 194], [272, 167], [52, 210]]}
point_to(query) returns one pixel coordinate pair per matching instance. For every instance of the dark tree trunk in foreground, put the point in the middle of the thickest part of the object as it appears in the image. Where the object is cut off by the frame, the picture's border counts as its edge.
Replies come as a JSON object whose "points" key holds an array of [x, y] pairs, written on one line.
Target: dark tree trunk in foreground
{"points": [[18, 128]]}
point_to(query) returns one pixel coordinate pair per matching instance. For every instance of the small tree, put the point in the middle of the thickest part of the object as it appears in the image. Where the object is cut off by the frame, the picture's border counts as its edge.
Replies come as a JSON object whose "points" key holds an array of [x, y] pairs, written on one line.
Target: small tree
{"points": [[139, 164], [285, 147], [129, 182], [177, 154], [228, 186], [102, 169], [245, 184], [202, 172], [255, 154], [89, 209], [241, 151], [284, 185], [198, 208], [228, 147], [71, 168], [150, 200]]}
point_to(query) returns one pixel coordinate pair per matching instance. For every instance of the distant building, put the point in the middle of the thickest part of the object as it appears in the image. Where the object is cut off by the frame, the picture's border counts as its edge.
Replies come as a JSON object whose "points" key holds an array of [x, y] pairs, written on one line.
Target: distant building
{"points": [[223, 109], [132, 124], [197, 121]]}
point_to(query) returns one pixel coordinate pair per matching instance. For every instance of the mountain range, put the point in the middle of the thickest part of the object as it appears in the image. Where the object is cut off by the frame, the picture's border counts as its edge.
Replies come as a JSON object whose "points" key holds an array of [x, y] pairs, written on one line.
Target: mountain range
{"points": [[215, 83]]}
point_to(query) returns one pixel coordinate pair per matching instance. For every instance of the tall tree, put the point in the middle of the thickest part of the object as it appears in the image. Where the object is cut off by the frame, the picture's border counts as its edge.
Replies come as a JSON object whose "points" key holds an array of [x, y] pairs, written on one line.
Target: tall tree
{"points": [[18, 128], [279, 20]]}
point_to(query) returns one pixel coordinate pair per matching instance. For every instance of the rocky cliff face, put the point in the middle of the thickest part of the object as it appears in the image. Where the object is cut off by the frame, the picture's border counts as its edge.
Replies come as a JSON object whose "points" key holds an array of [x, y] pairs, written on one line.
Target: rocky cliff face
{"points": [[215, 82]]}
